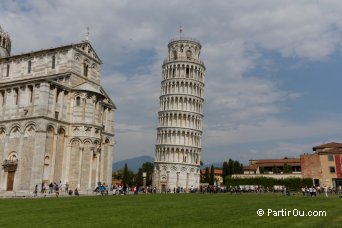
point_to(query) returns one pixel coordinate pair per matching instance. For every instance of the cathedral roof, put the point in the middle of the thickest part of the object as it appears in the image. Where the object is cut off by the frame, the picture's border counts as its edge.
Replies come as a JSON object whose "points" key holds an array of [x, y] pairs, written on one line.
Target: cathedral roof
{"points": [[87, 87], [84, 47]]}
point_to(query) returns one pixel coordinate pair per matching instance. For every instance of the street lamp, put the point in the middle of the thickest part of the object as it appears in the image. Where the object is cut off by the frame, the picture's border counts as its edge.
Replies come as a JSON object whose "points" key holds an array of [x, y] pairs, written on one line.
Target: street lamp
{"points": [[144, 176]]}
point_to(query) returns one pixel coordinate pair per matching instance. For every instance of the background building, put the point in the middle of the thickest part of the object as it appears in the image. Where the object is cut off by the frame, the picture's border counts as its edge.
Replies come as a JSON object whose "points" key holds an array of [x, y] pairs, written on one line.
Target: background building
{"points": [[179, 132], [325, 165], [56, 121]]}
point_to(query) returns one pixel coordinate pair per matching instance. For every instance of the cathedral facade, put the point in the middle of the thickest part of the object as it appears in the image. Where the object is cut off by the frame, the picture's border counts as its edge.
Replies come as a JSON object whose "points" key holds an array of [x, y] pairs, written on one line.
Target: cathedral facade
{"points": [[56, 121], [179, 132]]}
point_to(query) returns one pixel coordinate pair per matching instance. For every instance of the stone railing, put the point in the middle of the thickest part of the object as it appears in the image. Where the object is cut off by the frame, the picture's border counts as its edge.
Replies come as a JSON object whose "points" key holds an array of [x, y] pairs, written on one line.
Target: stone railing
{"points": [[167, 60], [184, 38]]}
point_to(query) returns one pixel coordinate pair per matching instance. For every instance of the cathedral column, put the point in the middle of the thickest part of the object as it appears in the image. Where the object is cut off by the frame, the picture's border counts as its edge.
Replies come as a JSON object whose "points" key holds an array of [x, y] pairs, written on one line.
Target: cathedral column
{"points": [[53, 159], [92, 152], [66, 162], [80, 166], [187, 182], [98, 154], [177, 181], [168, 180]]}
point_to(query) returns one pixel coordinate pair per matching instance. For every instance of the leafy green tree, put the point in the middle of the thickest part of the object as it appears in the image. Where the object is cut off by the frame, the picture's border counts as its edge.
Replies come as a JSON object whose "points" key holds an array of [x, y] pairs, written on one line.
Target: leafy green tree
{"points": [[261, 169], [230, 167], [212, 175], [140, 180], [118, 174], [287, 168], [206, 175], [224, 171], [275, 169], [148, 168], [127, 176]]}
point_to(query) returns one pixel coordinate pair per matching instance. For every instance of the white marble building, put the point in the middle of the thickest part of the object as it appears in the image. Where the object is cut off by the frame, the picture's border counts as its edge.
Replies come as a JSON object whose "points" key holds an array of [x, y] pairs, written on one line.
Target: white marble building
{"points": [[179, 132], [56, 121]]}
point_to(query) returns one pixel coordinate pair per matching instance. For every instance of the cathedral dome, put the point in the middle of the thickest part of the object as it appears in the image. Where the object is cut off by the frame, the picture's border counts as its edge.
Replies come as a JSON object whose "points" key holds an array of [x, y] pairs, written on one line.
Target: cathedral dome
{"points": [[5, 44]]}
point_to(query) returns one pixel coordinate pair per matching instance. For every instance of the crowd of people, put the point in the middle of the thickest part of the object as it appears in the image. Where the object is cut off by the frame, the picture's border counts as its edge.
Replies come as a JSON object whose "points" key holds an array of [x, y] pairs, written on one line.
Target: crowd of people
{"points": [[54, 189], [119, 189], [314, 190]]}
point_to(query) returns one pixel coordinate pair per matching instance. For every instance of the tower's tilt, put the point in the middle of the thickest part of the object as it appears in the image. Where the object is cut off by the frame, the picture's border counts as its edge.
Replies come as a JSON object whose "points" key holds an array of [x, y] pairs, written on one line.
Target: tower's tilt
{"points": [[179, 132]]}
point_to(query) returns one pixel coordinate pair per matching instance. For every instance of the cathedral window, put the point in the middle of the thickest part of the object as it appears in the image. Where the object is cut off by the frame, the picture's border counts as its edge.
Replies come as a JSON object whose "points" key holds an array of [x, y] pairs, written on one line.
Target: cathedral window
{"points": [[30, 88], [57, 95], [16, 96], [53, 65], [56, 115], [7, 70], [29, 66], [2, 98], [78, 101], [85, 69]]}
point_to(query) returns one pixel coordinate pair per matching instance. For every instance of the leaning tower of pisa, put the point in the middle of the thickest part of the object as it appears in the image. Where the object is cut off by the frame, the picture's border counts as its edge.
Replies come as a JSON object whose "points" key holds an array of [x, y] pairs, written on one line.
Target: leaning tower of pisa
{"points": [[179, 132]]}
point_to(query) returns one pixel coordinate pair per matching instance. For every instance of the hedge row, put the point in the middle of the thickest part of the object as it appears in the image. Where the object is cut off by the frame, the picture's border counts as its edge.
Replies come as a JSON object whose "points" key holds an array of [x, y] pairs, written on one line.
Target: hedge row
{"points": [[293, 183]]}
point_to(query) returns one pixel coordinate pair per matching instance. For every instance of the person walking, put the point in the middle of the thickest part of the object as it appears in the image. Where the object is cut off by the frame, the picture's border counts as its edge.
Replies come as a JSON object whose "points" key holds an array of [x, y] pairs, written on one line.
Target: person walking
{"points": [[326, 191], [35, 190], [56, 190]]}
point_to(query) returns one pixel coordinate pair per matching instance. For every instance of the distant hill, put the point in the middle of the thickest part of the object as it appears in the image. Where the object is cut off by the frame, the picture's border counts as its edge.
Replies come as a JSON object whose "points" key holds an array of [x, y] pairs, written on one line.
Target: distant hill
{"points": [[216, 164], [133, 163]]}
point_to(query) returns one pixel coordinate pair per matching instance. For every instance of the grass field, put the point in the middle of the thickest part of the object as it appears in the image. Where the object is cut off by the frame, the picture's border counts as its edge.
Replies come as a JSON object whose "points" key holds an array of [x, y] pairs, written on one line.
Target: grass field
{"points": [[171, 210]]}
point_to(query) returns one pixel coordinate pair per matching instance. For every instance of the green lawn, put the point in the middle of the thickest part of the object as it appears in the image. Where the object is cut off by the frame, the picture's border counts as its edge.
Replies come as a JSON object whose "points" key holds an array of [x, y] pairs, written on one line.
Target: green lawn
{"points": [[171, 210]]}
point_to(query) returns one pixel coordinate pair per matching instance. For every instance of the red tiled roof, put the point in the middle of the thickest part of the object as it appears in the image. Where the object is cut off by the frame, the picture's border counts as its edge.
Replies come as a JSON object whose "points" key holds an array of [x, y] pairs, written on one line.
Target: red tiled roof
{"points": [[216, 171], [331, 151], [275, 161], [328, 145]]}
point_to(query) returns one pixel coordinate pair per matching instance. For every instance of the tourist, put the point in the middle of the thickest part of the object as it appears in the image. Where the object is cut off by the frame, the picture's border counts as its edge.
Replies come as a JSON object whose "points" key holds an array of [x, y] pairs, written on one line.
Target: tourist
{"points": [[35, 190], [50, 188], [326, 190], [66, 187], [76, 192], [56, 188]]}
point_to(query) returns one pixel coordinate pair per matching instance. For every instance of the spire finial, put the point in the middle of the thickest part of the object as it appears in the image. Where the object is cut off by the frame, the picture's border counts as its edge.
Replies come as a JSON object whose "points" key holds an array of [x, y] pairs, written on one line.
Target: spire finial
{"points": [[180, 31]]}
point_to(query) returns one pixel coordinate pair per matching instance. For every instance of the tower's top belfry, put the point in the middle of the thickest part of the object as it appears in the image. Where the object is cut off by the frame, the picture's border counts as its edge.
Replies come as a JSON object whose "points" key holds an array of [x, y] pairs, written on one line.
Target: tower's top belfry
{"points": [[5, 44], [184, 49]]}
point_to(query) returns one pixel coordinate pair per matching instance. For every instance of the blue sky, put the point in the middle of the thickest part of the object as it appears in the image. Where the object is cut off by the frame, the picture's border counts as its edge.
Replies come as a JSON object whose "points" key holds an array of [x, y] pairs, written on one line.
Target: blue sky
{"points": [[273, 67]]}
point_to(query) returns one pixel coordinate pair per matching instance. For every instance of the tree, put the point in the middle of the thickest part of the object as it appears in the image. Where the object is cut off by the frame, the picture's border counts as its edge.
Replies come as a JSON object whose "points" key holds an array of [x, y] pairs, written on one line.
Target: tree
{"points": [[224, 171], [127, 176], [148, 168], [206, 177], [287, 168], [275, 169], [140, 179], [230, 167], [212, 175]]}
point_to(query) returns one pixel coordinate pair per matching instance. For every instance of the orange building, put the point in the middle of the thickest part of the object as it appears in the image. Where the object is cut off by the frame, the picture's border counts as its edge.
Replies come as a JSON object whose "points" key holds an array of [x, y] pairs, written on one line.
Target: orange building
{"points": [[218, 175], [268, 166], [324, 166]]}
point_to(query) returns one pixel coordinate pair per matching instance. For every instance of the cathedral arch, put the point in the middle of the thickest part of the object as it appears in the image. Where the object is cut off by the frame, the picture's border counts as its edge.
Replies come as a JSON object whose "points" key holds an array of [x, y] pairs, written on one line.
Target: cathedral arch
{"points": [[2, 131], [15, 131], [30, 130], [12, 156], [74, 141], [77, 56], [87, 141], [50, 129]]}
